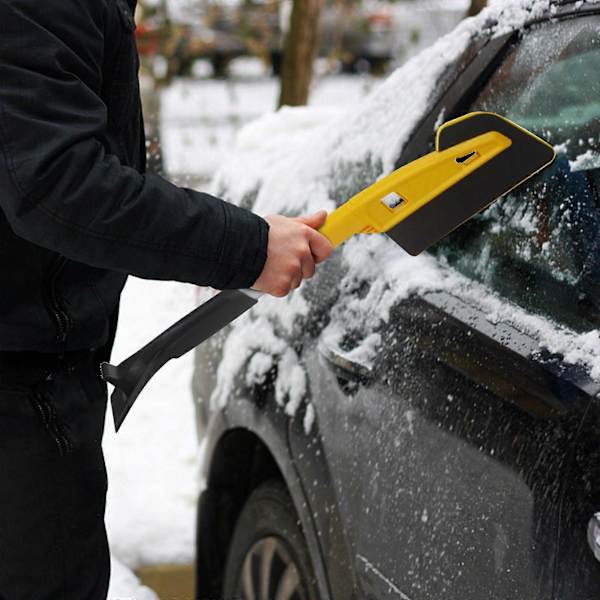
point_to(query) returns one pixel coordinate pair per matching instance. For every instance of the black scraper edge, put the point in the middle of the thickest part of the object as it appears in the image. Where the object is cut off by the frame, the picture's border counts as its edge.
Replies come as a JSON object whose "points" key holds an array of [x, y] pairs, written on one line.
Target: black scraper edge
{"points": [[526, 156]]}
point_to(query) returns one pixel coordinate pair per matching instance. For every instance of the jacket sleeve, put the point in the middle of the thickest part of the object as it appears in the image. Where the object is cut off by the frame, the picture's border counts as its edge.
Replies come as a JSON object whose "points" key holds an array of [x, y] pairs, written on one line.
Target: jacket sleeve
{"points": [[60, 189]]}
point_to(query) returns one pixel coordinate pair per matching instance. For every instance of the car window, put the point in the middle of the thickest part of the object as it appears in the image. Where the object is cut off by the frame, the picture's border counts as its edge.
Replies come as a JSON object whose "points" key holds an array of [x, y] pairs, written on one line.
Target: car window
{"points": [[540, 245]]}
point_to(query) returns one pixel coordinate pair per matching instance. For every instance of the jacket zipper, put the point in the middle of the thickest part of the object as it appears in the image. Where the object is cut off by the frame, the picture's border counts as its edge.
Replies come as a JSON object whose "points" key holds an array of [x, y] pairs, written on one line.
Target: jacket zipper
{"points": [[61, 318], [54, 428], [63, 323]]}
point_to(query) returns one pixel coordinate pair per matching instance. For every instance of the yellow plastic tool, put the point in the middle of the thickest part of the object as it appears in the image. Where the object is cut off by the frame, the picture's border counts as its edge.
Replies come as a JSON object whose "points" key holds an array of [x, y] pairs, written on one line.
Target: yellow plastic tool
{"points": [[391, 200]]}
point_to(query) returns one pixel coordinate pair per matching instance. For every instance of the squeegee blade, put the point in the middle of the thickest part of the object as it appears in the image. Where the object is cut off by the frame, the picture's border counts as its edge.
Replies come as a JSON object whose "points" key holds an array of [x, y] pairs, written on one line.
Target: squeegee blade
{"points": [[526, 156]]}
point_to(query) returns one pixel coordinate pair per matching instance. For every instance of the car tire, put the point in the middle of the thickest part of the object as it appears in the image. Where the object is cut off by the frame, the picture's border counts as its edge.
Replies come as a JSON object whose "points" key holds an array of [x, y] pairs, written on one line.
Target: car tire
{"points": [[268, 539]]}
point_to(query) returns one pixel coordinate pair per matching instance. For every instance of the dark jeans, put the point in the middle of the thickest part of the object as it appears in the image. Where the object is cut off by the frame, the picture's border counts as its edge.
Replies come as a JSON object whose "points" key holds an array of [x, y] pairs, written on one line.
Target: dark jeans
{"points": [[52, 480]]}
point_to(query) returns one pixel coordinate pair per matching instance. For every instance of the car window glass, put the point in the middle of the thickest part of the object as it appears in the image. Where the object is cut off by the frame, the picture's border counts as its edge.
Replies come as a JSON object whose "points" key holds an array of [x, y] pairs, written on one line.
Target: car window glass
{"points": [[540, 245]]}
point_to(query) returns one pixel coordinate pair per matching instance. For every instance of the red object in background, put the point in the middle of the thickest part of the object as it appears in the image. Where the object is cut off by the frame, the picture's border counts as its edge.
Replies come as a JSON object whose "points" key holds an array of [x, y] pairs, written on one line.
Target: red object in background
{"points": [[380, 19], [148, 39]]}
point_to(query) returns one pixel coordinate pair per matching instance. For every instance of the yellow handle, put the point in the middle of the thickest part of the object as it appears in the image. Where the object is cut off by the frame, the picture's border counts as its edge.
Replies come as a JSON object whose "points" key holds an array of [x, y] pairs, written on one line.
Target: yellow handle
{"points": [[392, 199]]}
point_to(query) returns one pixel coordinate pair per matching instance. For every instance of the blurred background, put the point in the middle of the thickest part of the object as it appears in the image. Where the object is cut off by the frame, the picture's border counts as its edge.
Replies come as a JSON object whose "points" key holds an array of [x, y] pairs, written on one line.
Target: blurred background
{"points": [[210, 66]]}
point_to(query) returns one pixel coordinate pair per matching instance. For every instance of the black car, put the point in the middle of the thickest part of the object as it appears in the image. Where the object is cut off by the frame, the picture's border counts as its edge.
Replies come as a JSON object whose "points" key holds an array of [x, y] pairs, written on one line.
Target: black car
{"points": [[463, 461]]}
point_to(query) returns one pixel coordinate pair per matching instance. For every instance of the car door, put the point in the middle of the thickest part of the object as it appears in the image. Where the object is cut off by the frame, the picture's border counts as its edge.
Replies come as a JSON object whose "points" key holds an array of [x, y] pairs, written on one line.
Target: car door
{"points": [[453, 453]]}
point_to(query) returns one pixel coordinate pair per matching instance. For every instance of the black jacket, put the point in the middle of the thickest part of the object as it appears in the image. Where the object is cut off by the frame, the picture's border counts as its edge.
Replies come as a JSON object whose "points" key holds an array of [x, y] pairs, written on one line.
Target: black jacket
{"points": [[76, 212]]}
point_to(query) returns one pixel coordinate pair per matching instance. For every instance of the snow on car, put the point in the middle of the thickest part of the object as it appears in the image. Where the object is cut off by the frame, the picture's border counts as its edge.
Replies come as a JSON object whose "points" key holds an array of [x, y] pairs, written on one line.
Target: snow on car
{"points": [[450, 400]]}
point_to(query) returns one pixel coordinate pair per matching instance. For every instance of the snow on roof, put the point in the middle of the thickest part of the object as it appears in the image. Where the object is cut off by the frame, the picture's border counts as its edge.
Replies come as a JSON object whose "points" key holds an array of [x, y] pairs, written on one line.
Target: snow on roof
{"points": [[291, 162]]}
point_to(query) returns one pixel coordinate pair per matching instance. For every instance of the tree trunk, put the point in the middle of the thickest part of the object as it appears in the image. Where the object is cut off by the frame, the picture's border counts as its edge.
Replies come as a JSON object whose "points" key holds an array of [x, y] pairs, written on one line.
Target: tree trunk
{"points": [[299, 52], [476, 7]]}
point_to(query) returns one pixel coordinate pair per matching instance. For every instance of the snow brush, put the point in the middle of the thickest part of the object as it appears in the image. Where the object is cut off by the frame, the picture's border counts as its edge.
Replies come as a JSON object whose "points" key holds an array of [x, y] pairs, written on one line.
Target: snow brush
{"points": [[477, 159]]}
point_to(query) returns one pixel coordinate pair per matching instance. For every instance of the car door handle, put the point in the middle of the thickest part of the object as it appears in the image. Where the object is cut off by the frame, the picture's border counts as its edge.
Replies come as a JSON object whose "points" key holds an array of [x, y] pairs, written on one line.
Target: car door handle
{"points": [[593, 535], [343, 364]]}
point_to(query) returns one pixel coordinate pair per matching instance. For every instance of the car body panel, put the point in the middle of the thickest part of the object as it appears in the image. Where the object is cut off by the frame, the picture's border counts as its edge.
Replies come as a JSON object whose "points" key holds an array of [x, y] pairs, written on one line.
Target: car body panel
{"points": [[459, 493]]}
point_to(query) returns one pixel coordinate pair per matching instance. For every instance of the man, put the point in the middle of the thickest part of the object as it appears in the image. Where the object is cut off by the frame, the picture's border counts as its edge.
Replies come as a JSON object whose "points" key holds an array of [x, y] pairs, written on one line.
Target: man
{"points": [[76, 217]]}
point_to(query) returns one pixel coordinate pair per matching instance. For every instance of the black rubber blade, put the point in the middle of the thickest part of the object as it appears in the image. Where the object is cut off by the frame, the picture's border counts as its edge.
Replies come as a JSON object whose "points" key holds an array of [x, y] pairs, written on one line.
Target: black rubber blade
{"points": [[132, 375], [527, 155]]}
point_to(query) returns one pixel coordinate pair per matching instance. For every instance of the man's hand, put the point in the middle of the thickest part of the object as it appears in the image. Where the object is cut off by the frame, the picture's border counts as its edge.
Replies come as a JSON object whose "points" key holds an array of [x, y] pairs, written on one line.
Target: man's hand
{"points": [[295, 248]]}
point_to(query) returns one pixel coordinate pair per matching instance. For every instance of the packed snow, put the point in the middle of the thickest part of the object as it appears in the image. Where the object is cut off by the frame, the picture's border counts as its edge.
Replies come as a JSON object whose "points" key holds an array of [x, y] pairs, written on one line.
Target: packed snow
{"points": [[587, 161]]}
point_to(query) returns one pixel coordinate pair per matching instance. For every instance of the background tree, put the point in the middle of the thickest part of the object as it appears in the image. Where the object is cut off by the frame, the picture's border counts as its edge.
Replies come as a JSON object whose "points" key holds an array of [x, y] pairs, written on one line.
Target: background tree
{"points": [[299, 52], [476, 7]]}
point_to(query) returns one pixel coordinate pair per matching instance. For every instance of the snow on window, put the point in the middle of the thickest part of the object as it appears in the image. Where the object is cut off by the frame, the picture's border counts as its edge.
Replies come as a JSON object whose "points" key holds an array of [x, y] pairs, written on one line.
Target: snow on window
{"points": [[588, 161], [537, 247]]}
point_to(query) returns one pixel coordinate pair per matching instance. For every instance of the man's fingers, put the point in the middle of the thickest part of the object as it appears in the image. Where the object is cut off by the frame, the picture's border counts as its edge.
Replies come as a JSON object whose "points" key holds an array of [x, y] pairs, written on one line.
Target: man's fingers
{"points": [[320, 246], [295, 247], [308, 266]]}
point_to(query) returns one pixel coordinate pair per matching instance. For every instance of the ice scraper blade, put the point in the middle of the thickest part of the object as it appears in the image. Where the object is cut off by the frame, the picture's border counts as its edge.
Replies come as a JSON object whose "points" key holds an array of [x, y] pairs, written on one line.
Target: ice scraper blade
{"points": [[477, 159], [526, 155]]}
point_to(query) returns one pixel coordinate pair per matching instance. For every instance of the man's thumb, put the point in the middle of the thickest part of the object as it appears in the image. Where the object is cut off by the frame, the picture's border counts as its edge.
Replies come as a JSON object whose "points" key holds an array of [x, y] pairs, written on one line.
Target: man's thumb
{"points": [[315, 220]]}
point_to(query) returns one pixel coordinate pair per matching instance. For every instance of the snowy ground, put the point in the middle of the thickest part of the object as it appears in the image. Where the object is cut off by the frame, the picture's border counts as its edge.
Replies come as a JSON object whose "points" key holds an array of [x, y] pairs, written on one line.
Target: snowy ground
{"points": [[124, 585], [153, 462]]}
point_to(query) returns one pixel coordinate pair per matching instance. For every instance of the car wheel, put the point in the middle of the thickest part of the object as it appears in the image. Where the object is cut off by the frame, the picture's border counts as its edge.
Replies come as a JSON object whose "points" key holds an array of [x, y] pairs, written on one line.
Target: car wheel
{"points": [[268, 556]]}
